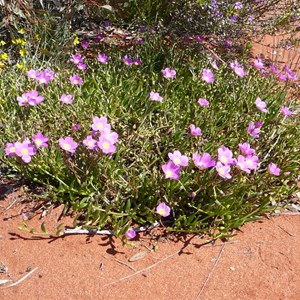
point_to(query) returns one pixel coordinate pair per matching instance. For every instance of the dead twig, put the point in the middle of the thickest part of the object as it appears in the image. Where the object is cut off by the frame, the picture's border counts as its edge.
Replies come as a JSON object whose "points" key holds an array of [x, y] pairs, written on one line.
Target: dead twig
{"points": [[143, 270], [210, 273], [290, 234], [124, 264], [22, 279]]}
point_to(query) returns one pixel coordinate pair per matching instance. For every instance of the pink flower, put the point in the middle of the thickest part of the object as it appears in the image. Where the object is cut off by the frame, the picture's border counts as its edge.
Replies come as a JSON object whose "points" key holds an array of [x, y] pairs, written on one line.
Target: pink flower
{"points": [[102, 58], [75, 80], [254, 129], [195, 131], [81, 66], [100, 124], [168, 73], [247, 163], [214, 65], [10, 149], [76, 59], [285, 111], [33, 74], [171, 170], [163, 209], [40, 140], [136, 62], [261, 105], [90, 143], [203, 102], [204, 161], [106, 145], [207, 76], [130, 234], [127, 60], [246, 149], [258, 63], [273, 169], [282, 77], [155, 96], [225, 156], [24, 150], [68, 144], [223, 170], [66, 99], [178, 159]]}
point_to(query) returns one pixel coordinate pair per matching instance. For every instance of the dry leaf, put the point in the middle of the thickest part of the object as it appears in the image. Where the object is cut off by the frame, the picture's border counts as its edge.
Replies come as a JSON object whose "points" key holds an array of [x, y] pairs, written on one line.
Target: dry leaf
{"points": [[137, 256]]}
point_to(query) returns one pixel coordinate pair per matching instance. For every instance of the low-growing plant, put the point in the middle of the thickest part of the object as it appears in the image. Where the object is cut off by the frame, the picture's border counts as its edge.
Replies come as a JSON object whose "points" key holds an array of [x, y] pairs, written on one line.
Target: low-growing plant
{"points": [[153, 132]]}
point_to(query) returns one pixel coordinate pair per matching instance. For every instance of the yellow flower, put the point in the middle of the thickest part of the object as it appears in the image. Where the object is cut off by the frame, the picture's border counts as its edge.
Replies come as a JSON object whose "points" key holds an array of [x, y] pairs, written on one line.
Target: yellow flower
{"points": [[76, 40], [21, 67], [4, 56], [19, 42], [37, 37], [23, 52], [2, 43], [2, 65], [22, 31]]}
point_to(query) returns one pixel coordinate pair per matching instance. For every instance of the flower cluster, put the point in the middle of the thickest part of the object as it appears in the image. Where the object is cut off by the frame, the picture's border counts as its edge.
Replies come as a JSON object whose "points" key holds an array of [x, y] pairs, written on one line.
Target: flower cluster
{"points": [[172, 168], [238, 69], [43, 77], [77, 60], [31, 98], [26, 149], [128, 61]]}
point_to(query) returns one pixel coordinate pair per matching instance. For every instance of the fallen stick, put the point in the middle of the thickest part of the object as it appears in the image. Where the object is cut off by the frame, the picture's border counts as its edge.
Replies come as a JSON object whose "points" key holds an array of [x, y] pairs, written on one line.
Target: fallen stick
{"points": [[140, 271], [210, 273], [124, 264], [22, 279]]}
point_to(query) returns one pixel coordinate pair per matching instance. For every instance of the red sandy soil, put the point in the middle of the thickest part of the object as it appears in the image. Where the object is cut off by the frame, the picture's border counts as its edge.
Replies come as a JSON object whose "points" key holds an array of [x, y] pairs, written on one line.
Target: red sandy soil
{"points": [[261, 262]]}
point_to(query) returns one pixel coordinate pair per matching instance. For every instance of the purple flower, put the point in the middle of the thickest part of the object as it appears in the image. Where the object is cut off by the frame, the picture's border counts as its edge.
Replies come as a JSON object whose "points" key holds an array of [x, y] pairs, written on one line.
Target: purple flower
{"points": [[67, 99], [99, 37], [203, 102], [273, 169], [163, 209], [246, 149], [81, 66], [40, 140], [155, 96], [195, 131], [25, 150], [223, 170], [171, 170], [168, 73], [100, 124], [75, 127], [90, 143], [68, 144], [253, 130], [139, 41], [106, 145], [130, 234], [178, 159], [207, 76], [75, 79], [238, 6], [76, 59], [261, 105], [45, 76], [137, 62], [102, 58], [10, 149], [225, 156], [258, 63], [204, 161], [127, 60], [84, 44], [290, 73], [285, 111]]}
